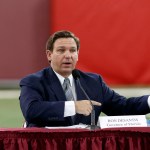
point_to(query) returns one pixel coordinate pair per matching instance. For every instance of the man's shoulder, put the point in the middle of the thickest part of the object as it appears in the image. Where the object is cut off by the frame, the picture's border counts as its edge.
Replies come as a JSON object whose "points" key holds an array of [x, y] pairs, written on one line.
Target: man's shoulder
{"points": [[89, 74], [33, 77]]}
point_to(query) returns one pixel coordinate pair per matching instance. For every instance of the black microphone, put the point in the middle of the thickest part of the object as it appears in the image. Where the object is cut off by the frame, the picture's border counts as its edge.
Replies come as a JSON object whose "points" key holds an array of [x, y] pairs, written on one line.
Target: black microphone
{"points": [[76, 76]]}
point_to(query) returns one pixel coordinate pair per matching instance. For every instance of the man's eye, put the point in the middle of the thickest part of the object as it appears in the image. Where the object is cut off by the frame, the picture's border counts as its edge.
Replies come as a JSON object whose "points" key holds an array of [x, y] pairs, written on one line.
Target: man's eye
{"points": [[73, 50], [60, 50]]}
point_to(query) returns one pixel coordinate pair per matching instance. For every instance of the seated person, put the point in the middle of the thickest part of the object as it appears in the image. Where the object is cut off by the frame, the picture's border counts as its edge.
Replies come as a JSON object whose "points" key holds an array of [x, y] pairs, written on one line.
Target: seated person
{"points": [[54, 95]]}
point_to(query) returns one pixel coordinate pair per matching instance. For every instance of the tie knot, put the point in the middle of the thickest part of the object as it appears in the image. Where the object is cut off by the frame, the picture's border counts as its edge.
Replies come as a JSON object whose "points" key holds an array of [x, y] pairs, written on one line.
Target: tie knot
{"points": [[67, 81]]}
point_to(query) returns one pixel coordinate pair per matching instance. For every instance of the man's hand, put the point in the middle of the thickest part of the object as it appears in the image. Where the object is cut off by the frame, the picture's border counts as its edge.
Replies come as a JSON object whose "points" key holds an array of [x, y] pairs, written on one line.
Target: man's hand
{"points": [[84, 106]]}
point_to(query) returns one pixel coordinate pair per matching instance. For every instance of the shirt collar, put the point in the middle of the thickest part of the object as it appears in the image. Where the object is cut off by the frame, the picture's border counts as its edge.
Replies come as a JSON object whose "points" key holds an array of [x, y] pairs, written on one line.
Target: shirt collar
{"points": [[61, 78]]}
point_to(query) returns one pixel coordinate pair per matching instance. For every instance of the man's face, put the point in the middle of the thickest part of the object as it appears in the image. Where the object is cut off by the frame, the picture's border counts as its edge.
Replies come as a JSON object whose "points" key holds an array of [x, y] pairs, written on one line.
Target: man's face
{"points": [[64, 56]]}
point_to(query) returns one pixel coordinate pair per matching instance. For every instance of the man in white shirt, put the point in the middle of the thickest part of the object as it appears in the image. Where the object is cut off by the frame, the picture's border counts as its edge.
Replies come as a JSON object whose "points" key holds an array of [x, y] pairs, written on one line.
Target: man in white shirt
{"points": [[44, 102]]}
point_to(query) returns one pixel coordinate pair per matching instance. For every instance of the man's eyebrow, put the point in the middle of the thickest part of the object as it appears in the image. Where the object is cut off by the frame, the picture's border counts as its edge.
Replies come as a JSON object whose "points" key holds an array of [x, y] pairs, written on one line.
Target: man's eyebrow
{"points": [[65, 46], [61, 46]]}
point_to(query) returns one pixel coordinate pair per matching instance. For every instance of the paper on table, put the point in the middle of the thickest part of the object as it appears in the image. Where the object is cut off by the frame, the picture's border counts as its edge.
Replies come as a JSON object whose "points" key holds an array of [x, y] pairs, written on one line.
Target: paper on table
{"points": [[79, 126]]}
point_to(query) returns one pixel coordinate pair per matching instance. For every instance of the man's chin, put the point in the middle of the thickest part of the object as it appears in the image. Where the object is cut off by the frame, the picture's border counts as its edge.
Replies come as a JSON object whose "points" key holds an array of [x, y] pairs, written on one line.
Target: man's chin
{"points": [[67, 71]]}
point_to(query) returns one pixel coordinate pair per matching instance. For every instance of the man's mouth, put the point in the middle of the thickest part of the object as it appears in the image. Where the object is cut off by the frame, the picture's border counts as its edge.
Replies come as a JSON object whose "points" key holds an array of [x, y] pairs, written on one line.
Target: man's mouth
{"points": [[67, 63]]}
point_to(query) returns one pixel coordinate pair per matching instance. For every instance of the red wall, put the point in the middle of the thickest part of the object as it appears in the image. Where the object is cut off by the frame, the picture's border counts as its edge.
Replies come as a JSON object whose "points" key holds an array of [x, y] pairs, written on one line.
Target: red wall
{"points": [[115, 37], [24, 28]]}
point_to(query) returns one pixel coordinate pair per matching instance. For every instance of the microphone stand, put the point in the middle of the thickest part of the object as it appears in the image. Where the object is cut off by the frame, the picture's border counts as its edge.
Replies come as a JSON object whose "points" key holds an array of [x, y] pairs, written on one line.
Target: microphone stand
{"points": [[92, 126]]}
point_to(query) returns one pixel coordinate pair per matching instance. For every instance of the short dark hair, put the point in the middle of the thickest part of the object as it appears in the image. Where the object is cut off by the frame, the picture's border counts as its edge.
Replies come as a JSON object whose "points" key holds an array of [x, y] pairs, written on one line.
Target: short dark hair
{"points": [[61, 34]]}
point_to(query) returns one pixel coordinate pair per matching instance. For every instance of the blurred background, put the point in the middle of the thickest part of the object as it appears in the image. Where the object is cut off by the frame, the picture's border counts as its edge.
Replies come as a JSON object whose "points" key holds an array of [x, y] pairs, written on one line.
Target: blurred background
{"points": [[114, 36]]}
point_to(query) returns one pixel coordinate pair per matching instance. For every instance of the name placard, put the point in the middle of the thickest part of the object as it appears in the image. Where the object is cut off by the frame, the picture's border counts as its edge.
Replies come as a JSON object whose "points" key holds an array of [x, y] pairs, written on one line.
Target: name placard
{"points": [[122, 121]]}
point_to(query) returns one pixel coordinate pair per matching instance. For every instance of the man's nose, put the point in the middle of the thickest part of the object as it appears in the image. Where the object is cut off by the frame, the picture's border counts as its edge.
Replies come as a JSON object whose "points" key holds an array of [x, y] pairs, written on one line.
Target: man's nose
{"points": [[67, 54]]}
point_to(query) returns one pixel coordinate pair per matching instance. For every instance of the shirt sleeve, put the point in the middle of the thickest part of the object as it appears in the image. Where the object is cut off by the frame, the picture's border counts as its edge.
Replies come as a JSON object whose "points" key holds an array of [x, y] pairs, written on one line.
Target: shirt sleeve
{"points": [[69, 109], [148, 101]]}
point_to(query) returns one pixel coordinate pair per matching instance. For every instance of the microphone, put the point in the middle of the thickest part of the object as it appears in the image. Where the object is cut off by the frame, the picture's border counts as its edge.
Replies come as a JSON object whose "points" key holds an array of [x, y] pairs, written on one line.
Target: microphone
{"points": [[76, 75]]}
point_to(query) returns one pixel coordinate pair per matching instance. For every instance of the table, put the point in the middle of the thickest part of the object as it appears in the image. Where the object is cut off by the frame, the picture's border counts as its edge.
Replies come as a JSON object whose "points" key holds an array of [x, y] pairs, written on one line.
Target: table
{"points": [[75, 139]]}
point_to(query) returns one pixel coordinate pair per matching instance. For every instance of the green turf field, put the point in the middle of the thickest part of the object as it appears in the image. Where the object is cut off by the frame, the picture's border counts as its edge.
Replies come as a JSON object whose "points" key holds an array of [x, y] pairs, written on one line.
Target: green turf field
{"points": [[10, 113]]}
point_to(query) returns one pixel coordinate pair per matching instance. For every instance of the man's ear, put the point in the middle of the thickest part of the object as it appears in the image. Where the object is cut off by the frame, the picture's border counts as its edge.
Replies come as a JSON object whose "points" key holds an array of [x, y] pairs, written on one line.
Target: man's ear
{"points": [[48, 54], [78, 55]]}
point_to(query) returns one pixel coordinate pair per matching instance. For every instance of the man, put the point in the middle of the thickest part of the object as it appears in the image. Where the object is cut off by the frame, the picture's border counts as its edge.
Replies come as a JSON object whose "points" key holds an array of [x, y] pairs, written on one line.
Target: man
{"points": [[44, 95]]}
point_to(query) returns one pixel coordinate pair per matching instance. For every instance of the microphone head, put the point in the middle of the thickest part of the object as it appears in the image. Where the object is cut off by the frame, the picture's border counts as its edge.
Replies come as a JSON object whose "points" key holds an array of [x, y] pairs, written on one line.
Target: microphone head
{"points": [[76, 74]]}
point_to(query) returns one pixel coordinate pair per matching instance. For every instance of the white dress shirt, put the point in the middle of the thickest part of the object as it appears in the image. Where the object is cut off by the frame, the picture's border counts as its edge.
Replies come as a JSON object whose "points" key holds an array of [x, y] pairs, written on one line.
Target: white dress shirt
{"points": [[148, 101], [69, 105]]}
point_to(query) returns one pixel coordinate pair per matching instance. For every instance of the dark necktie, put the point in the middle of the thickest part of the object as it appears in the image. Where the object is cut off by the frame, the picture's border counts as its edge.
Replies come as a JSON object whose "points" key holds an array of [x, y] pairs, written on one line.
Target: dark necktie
{"points": [[67, 90]]}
